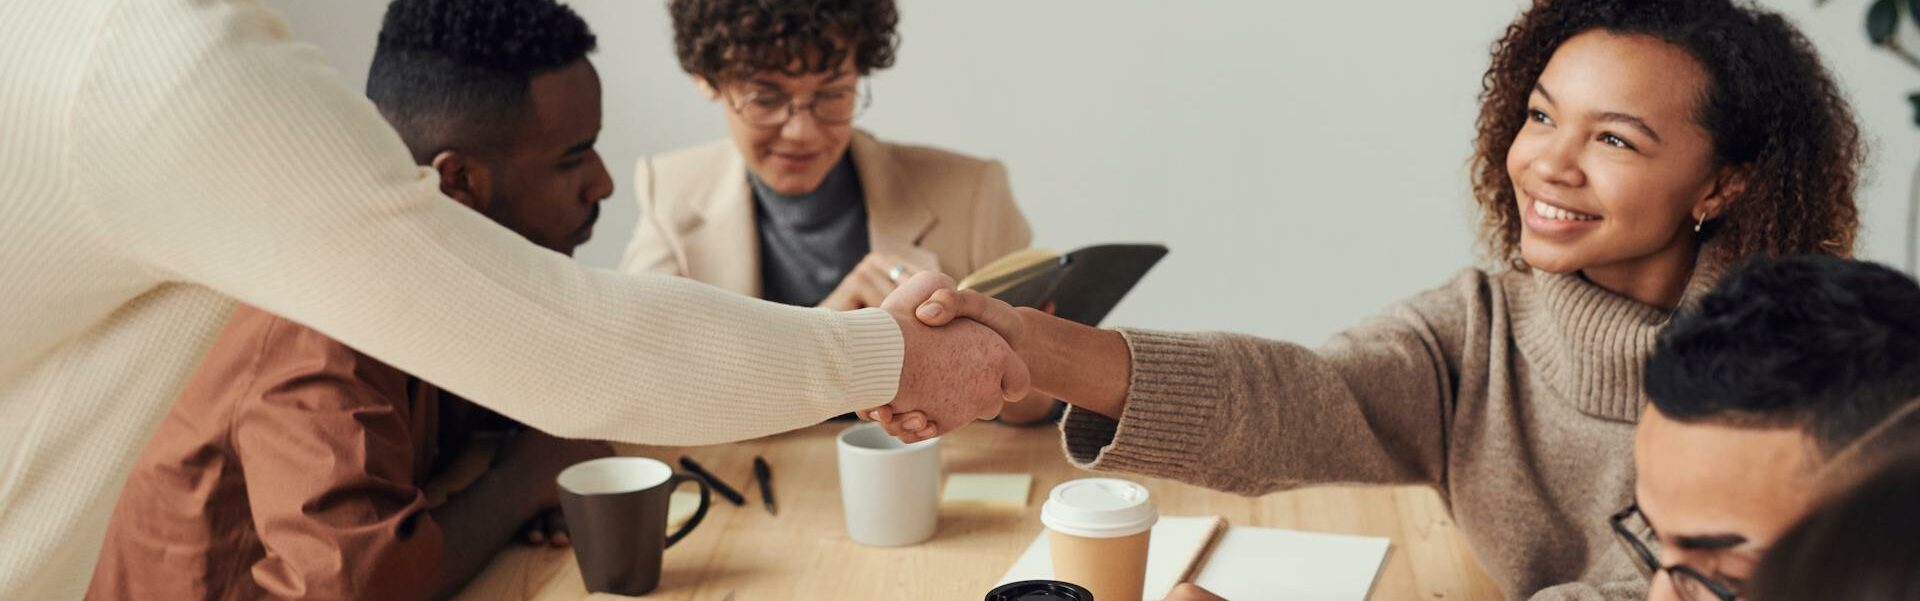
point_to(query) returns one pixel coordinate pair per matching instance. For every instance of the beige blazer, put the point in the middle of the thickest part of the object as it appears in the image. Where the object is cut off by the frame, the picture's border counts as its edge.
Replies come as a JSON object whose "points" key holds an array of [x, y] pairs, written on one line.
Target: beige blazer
{"points": [[932, 208]]}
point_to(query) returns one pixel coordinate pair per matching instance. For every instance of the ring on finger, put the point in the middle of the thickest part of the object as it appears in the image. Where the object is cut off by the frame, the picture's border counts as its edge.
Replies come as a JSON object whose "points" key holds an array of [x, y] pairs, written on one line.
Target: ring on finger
{"points": [[899, 271]]}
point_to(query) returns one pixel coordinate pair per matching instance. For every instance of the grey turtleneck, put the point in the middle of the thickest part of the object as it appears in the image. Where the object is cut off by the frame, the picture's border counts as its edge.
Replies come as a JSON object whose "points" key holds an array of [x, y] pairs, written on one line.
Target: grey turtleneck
{"points": [[809, 242]]}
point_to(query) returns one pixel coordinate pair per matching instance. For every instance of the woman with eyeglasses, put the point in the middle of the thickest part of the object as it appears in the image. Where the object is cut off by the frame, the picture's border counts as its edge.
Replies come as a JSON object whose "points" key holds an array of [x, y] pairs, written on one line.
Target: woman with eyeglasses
{"points": [[798, 206], [1628, 151]]}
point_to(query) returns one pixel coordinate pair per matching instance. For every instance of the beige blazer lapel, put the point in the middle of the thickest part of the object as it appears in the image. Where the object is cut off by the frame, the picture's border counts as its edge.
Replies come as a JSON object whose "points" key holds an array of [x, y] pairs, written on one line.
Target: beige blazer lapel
{"points": [[896, 220], [724, 249]]}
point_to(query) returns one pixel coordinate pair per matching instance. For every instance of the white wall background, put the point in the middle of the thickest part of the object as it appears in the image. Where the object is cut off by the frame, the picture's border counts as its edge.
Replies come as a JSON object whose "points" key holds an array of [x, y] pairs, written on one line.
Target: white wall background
{"points": [[1306, 161]]}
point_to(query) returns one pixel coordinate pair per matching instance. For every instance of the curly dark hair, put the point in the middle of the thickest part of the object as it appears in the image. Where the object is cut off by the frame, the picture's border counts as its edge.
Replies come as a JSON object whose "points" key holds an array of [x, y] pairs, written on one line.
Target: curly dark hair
{"points": [[730, 40], [1770, 106], [455, 73], [1824, 345]]}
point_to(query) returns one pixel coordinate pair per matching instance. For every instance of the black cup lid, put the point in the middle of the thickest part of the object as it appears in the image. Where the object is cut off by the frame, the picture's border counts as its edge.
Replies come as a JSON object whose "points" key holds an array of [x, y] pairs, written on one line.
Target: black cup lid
{"points": [[1040, 590]]}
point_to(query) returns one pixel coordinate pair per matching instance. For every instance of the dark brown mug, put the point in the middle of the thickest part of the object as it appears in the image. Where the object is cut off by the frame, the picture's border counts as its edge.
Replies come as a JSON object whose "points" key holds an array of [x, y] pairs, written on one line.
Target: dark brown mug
{"points": [[616, 509]]}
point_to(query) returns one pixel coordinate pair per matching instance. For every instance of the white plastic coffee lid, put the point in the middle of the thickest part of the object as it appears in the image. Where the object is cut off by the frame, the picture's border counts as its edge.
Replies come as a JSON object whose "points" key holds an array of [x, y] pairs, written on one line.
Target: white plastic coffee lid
{"points": [[1099, 508]]}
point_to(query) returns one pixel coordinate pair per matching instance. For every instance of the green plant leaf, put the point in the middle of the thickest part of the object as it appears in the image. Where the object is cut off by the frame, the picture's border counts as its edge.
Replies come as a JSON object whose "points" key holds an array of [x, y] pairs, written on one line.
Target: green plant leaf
{"points": [[1881, 19], [1915, 99]]}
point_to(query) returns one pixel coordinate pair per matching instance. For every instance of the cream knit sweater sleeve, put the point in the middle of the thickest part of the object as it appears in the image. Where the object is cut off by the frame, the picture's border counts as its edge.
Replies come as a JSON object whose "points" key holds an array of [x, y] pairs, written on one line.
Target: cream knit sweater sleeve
{"points": [[223, 154]]}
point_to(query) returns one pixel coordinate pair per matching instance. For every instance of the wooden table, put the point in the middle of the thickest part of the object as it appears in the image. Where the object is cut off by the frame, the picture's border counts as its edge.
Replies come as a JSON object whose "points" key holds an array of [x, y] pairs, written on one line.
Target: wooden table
{"points": [[804, 553]]}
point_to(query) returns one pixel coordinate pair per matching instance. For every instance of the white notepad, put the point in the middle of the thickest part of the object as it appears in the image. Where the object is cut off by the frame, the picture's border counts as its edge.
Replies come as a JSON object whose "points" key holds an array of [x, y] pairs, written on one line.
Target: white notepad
{"points": [[1252, 564], [1246, 564]]}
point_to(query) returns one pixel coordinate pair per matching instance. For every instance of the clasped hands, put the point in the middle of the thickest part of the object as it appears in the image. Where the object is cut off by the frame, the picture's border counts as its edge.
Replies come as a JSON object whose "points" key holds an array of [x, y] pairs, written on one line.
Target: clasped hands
{"points": [[961, 359], [965, 360]]}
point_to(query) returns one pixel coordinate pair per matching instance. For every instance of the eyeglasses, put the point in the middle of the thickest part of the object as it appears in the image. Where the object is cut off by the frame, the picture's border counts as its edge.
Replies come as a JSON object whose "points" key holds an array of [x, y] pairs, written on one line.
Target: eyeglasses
{"points": [[1636, 535], [829, 107], [1630, 527]]}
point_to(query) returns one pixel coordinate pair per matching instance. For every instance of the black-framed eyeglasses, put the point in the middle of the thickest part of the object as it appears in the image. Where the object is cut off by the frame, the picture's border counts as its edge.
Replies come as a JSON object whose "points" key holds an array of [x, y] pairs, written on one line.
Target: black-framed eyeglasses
{"points": [[830, 107], [1634, 533]]}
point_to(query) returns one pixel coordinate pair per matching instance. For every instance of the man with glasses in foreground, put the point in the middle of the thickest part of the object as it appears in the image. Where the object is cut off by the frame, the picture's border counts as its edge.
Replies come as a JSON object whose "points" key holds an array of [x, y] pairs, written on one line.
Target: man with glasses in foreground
{"points": [[1790, 377], [798, 207]]}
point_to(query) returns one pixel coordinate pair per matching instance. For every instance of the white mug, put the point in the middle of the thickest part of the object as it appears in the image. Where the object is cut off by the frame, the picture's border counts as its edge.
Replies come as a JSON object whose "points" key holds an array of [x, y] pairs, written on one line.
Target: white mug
{"points": [[890, 489]]}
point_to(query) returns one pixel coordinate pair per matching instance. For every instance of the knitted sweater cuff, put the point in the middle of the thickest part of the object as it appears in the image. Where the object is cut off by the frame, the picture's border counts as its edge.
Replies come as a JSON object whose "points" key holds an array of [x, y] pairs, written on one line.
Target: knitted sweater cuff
{"points": [[875, 350], [1172, 399]]}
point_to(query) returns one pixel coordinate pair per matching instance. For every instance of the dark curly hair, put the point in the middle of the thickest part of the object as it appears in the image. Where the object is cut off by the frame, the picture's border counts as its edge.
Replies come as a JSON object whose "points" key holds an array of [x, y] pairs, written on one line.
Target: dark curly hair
{"points": [[454, 73], [1825, 345], [1770, 106], [730, 40]]}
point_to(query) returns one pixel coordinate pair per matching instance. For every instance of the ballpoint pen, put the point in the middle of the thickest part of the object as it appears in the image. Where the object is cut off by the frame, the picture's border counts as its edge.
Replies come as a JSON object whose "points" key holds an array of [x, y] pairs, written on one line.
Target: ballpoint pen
{"points": [[764, 474], [732, 496]]}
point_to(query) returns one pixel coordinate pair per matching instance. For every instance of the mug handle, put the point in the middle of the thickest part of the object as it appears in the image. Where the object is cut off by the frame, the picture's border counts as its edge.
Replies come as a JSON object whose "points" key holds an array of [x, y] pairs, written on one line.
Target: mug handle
{"points": [[706, 496]]}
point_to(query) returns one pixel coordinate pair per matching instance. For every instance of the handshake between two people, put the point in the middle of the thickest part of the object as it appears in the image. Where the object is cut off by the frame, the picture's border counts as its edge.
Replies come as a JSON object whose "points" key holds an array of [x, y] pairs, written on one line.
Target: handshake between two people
{"points": [[960, 363], [968, 355]]}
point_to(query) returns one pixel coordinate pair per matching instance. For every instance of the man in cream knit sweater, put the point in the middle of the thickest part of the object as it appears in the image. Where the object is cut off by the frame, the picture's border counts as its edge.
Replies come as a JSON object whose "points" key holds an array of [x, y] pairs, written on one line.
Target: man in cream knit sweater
{"points": [[165, 157]]}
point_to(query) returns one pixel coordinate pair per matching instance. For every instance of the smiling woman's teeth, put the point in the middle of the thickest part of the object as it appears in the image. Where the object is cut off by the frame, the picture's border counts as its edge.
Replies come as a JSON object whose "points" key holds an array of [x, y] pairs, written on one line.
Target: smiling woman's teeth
{"points": [[1558, 214]]}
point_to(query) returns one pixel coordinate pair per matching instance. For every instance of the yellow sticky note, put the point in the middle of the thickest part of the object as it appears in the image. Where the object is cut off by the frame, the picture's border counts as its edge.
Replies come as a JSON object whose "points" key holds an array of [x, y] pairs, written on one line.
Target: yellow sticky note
{"points": [[1001, 491]]}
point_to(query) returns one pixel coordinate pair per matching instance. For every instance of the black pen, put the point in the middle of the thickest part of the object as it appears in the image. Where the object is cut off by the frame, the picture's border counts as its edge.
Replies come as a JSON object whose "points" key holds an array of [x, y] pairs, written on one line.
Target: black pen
{"points": [[765, 475], [713, 481]]}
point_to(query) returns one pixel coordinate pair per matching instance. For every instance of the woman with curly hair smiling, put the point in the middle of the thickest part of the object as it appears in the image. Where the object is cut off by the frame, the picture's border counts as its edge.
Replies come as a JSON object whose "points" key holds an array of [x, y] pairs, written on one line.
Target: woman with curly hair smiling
{"points": [[798, 206], [1628, 151]]}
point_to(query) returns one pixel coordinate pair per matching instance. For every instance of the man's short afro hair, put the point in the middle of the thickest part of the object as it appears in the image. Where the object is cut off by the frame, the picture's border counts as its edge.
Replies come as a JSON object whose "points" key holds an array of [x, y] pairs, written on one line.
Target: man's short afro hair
{"points": [[516, 36]]}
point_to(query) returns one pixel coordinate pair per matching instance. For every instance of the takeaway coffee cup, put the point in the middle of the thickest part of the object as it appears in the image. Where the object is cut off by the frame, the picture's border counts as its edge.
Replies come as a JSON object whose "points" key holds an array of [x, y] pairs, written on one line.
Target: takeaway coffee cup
{"points": [[1039, 590], [1098, 529]]}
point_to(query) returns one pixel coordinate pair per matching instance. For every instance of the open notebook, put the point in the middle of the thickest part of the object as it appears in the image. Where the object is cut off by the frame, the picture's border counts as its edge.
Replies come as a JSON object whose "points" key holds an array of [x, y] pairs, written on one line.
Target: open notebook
{"points": [[1244, 564], [1084, 285]]}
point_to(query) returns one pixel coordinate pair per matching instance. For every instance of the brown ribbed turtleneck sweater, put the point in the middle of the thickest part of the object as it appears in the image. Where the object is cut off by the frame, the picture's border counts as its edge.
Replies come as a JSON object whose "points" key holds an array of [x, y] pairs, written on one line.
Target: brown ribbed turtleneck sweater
{"points": [[1512, 394]]}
